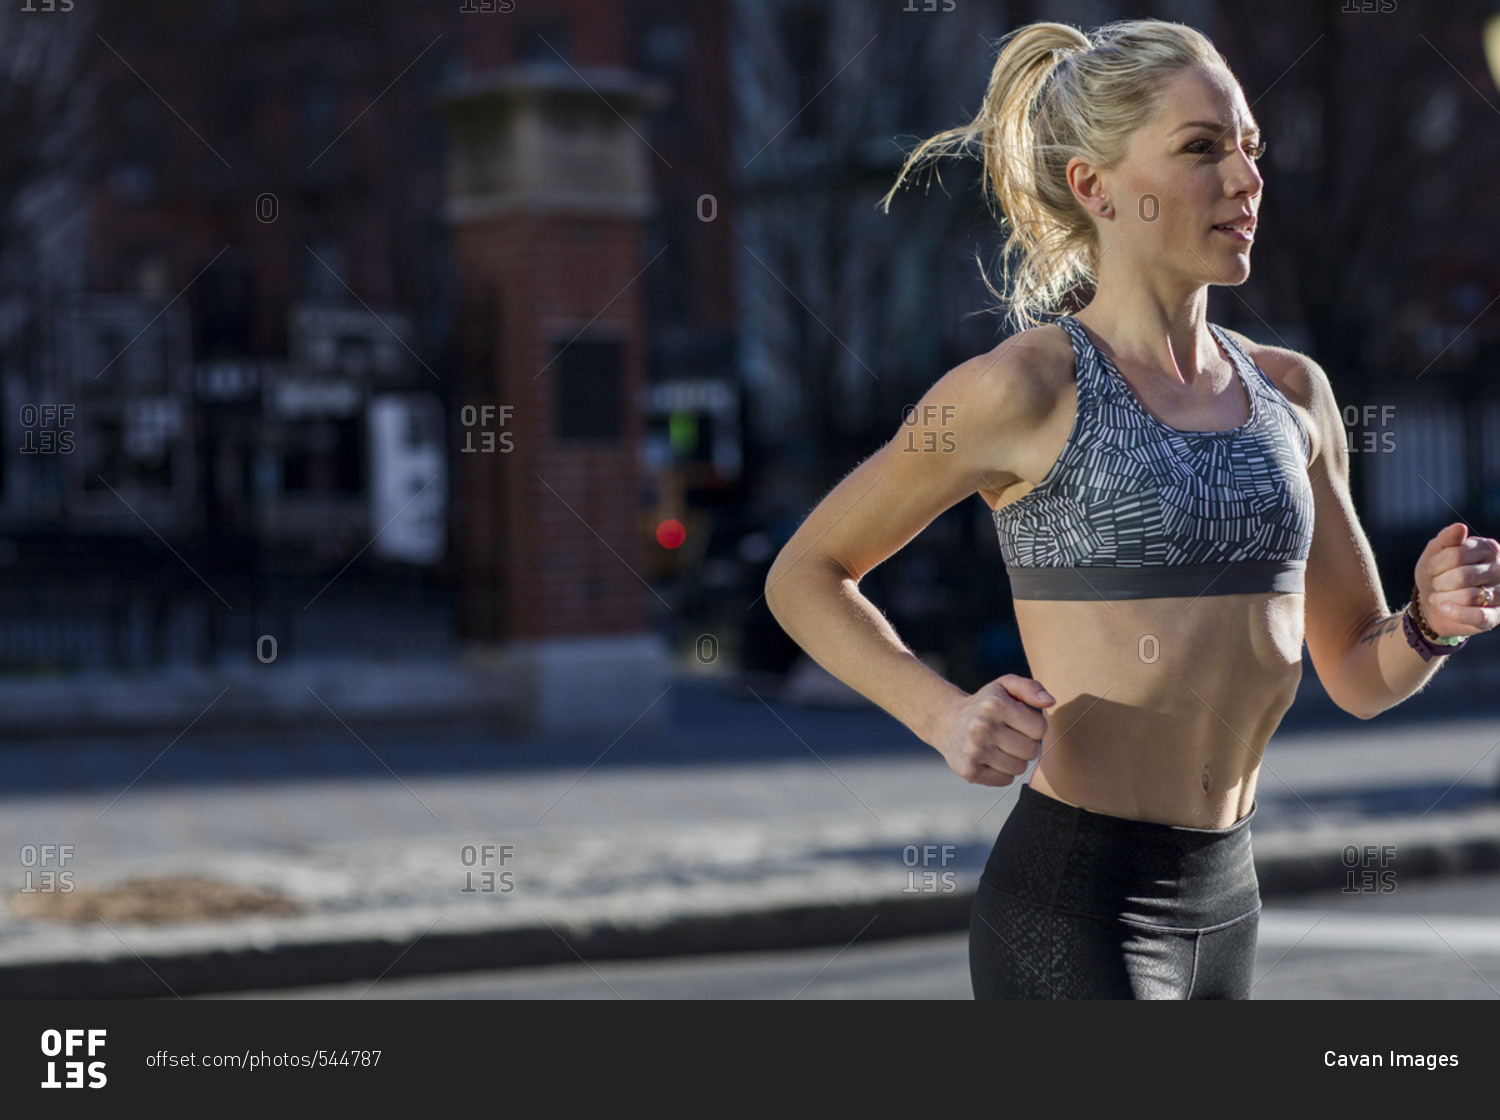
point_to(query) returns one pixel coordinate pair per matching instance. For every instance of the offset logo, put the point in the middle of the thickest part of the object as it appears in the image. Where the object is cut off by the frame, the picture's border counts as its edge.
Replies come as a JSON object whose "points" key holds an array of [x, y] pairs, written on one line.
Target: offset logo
{"points": [[66, 1044], [485, 854], [469, 415]]}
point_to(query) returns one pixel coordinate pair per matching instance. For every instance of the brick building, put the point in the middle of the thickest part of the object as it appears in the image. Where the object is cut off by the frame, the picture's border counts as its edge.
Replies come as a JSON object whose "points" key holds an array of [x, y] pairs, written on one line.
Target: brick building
{"points": [[289, 303]]}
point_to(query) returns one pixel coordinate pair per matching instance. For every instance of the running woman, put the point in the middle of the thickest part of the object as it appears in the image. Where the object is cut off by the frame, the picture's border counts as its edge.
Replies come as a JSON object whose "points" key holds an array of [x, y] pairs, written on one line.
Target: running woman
{"points": [[1172, 503]]}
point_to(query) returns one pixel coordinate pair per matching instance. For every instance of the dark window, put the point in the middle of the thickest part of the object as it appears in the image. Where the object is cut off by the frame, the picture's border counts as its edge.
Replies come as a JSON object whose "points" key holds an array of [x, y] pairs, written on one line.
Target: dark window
{"points": [[319, 110], [804, 32], [662, 50], [667, 281], [224, 309], [587, 400], [323, 457], [325, 271]]}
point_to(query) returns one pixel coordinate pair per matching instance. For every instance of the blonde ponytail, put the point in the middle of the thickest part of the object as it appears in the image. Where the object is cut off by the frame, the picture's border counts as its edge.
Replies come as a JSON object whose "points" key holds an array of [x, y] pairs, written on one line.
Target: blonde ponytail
{"points": [[1056, 93]]}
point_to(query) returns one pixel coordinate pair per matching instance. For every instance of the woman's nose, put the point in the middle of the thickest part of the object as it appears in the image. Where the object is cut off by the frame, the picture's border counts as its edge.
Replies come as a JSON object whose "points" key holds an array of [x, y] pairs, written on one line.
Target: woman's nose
{"points": [[1246, 176]]}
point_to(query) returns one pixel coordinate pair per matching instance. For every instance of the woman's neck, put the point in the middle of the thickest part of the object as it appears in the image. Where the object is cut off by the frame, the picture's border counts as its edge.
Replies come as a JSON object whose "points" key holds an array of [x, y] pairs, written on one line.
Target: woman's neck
{"points": [[1170, 342]]}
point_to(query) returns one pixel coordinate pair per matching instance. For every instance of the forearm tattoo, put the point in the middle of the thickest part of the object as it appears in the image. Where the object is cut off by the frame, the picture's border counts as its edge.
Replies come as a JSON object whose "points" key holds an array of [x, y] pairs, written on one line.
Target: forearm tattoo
{"points": [[1381, 627]]}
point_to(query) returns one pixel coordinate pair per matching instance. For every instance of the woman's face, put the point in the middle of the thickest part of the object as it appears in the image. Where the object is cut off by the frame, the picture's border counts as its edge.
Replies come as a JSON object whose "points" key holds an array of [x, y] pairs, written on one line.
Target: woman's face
{"points": [[1187, 171]]}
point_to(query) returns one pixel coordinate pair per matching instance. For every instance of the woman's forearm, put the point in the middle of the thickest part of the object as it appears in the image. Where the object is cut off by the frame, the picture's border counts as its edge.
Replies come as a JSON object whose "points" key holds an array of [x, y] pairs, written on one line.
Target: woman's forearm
{"points": [[1382, 669], [825, 613]]}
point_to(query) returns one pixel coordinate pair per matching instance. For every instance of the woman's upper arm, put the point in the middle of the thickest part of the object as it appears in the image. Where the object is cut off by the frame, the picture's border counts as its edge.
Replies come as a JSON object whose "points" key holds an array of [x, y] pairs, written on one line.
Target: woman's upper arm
{"points": [[954, 442], [1343, 588]]}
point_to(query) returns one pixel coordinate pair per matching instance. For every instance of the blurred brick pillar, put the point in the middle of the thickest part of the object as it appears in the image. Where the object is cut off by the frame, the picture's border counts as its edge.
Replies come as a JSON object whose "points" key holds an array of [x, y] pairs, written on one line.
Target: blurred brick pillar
{"points": [[547, 188]]}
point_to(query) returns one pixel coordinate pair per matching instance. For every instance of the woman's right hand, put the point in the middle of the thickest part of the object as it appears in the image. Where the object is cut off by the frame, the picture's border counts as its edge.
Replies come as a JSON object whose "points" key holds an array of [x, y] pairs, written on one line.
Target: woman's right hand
{"points": [[991, 737]]}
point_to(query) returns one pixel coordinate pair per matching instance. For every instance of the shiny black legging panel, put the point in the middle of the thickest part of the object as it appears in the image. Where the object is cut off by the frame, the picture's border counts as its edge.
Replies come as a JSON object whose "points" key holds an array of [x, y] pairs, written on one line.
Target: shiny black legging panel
{"points": [[1080, 905]]}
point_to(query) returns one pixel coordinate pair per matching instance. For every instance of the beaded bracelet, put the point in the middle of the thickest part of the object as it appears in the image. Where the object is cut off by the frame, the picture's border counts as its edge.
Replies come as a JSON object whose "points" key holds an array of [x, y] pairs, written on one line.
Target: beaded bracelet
{"points": [[1422, 637]]}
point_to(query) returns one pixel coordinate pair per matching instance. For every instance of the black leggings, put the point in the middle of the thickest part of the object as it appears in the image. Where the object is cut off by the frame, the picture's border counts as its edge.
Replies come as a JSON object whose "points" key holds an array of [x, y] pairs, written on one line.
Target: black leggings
{"points": [[1080, 905]]}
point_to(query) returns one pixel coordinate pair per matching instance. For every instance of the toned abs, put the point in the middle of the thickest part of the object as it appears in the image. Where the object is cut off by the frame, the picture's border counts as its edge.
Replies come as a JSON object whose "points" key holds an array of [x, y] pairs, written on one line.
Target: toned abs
{"points": [[1164, 705]]}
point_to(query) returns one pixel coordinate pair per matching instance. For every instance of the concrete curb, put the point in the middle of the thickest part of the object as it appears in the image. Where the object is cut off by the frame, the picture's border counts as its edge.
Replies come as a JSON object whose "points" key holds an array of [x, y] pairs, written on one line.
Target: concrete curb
{"points": [[289, 964], [1304, 861], [292, 694], [354, 947], [523, 688]]}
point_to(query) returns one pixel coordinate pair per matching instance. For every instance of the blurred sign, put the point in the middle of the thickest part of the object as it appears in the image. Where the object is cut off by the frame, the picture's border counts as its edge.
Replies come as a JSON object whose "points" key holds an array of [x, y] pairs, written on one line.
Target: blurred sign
{"points": [[697, 420], [292, 398], [350, 342], [234, 379], [408, 477]]}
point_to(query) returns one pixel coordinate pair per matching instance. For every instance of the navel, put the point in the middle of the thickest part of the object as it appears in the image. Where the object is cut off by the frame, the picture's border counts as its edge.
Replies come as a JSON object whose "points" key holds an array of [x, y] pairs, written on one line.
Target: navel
{"points": [[1205, 779]]}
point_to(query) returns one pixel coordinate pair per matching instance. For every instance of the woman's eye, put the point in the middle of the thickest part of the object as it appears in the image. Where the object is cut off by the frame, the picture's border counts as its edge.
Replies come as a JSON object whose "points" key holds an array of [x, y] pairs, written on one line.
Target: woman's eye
{"points": [[1256, 152]]}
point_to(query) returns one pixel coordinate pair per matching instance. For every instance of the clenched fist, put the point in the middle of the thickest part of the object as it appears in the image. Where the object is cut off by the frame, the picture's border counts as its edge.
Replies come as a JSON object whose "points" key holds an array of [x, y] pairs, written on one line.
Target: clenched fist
{"points": [[1456, 578], [991, 737]]}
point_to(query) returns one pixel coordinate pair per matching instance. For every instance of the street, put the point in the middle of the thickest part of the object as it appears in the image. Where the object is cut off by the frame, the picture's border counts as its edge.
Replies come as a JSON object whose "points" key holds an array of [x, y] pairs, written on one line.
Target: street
{"points": [[1435, 939], [414, 836]]}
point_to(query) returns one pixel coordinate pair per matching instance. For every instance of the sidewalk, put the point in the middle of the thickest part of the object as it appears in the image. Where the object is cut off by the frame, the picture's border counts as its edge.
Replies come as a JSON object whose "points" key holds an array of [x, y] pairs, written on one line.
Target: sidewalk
{"points": [[285, 694], [747, 825]]}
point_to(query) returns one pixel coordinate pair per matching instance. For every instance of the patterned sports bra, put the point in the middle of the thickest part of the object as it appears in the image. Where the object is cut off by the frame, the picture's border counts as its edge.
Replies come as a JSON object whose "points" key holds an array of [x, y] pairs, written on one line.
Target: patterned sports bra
{"points": [[1135, 509]]}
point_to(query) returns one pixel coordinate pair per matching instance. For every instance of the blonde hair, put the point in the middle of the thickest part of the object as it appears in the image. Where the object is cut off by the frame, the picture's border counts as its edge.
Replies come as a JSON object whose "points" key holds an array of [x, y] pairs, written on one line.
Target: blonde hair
{"points": [[1056, 93]]}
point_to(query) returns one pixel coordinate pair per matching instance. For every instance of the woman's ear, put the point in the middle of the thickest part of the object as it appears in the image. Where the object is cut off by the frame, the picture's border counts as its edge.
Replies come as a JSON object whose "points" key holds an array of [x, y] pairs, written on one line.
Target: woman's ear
{"points": [[1087, 188]]}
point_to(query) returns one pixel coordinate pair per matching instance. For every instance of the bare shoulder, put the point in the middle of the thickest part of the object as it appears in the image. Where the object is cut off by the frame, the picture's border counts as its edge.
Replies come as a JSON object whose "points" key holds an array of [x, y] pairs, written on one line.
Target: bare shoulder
{"points": [[1011, 388], [966, 435], [1019, 372], [997, 406]]}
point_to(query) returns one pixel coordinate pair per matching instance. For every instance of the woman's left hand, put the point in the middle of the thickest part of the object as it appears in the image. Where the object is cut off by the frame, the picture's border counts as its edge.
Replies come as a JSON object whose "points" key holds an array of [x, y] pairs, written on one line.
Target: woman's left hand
{"points": [[1453, 574]]}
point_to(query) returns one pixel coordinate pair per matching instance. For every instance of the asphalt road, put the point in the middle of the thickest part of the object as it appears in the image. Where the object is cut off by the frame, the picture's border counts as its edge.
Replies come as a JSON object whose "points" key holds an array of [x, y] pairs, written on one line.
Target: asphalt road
{"points": [[1435, 939]]}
